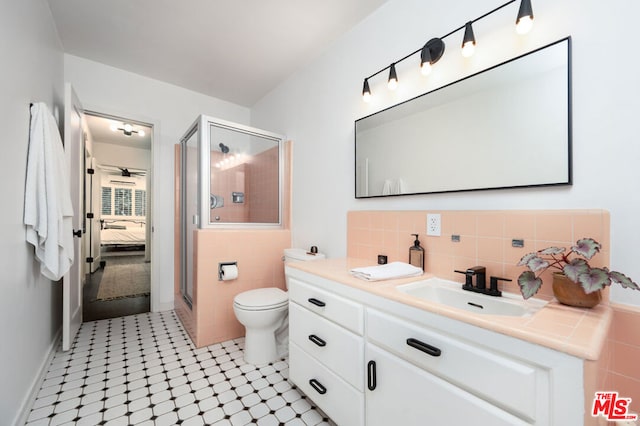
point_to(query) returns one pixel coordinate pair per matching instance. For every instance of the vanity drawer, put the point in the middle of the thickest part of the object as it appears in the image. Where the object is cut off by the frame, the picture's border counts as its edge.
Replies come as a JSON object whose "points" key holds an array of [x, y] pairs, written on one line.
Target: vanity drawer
{"points": [[337, 348], [338, 309], [503, 381], [341, 402]]}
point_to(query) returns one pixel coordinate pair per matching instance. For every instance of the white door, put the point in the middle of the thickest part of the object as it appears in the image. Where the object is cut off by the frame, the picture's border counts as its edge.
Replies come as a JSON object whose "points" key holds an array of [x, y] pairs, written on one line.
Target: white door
{"points": [[72, 280]]}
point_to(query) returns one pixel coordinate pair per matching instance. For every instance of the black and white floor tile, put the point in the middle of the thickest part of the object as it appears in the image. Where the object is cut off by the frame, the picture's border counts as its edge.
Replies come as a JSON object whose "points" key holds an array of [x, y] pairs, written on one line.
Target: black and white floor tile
{"points": [[144, 370]]}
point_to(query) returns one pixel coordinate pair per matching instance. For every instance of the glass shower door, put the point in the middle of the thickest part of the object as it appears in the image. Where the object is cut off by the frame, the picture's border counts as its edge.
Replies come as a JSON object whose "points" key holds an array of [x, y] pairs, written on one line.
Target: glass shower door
{"points": [[188, 209]]}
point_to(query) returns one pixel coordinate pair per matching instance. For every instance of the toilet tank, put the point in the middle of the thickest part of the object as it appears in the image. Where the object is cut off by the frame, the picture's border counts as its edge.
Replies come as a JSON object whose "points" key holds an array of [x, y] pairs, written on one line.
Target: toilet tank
{"points": [[299, 255]]}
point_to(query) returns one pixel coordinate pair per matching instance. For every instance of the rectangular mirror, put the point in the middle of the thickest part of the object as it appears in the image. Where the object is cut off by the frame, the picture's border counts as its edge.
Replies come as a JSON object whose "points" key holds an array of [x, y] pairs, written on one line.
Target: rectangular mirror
{"points": [[508, 126]]}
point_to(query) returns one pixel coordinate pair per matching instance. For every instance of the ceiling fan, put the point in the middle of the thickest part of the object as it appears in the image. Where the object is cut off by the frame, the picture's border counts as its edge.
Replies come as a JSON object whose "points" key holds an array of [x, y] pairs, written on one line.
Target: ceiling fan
{"points": [[123, 171]]}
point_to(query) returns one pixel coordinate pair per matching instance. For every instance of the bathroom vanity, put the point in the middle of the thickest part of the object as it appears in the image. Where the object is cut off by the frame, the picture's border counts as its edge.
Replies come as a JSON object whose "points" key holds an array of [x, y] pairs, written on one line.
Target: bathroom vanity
{"points": [[369, 354]]}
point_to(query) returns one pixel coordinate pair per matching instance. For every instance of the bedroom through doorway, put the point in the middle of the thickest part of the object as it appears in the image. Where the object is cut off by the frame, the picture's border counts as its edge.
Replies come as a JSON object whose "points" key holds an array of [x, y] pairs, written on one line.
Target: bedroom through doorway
{"points": [[118, 193]]}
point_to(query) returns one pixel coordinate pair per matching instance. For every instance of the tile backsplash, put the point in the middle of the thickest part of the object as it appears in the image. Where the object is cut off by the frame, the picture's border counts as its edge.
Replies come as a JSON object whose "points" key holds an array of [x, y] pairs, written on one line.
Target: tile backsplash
{"points": [[485, 238]]}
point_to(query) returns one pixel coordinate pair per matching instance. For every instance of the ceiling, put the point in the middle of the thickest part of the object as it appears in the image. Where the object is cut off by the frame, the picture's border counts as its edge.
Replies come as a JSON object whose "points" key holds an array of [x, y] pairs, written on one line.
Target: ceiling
{"points": [[237, 51]]}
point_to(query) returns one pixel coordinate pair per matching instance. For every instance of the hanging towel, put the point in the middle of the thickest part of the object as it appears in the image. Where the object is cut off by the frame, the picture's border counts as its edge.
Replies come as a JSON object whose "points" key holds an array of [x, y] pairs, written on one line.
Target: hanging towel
{"points": [[386, 272], [48, 211]]}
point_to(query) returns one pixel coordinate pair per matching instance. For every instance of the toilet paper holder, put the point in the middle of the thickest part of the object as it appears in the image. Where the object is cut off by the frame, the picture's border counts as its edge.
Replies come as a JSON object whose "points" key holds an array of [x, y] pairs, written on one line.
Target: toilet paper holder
{"points": [[221, 271]]}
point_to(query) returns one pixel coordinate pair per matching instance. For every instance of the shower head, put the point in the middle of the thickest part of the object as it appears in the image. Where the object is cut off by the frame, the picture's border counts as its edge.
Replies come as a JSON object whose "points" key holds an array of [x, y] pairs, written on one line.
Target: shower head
{"points": [[223, 148]]}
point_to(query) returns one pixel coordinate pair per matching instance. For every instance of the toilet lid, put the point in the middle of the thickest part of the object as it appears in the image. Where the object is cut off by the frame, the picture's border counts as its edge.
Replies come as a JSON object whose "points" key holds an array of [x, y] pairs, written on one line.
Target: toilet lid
{"points": [[261, 298]]}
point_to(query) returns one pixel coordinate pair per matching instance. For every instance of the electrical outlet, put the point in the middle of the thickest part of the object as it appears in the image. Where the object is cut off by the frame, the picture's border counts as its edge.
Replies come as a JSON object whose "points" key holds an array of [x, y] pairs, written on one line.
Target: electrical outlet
{"points": [[433, 224]]}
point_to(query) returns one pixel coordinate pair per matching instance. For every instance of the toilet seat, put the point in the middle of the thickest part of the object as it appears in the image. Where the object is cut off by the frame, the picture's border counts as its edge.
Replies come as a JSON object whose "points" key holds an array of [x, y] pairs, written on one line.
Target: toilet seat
{"points": [[261, 299]]}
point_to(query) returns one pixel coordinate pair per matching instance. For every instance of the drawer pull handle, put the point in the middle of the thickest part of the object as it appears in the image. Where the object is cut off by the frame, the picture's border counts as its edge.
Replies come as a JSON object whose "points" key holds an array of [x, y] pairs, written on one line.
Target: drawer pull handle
{"points": [[318, 341], [371, 375], [317, 386], [316, 302], [421, 346]]}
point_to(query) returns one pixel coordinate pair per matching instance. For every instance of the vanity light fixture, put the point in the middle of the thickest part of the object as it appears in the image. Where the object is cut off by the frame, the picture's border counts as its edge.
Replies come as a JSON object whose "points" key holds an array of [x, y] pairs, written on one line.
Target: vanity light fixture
{"points": [[433, 50], [525, 17], [366, 91], [469, 41], [393, 77], [127, 129]]}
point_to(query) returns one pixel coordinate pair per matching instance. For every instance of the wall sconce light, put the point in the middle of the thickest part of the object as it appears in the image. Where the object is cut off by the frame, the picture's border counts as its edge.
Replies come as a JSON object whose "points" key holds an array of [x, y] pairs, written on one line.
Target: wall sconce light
{"points": [[127, 129], [366, 91], [433, 50], [468, 41], [431, 53], [393, 77], [525, 17]]}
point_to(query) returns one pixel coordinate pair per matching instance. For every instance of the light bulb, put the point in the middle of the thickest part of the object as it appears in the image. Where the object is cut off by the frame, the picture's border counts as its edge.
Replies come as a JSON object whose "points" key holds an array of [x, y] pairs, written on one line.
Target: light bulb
{"points": [[524, 25], [468, 48], [113, 127], [393, 78], [128, 128], [141, 133], [425, 68], [366, 96]]}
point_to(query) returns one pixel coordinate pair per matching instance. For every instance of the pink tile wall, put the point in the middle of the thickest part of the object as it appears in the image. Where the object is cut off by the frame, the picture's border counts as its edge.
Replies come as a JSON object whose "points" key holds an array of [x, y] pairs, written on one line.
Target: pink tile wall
{"points": [[624, 344], [485, 238], [262, 187], [259, 256], [223, 183]]}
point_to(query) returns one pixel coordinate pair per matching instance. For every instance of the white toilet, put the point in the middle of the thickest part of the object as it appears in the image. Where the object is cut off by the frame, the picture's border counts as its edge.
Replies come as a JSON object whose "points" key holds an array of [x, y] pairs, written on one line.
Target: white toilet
{"points": [[264, 314]]}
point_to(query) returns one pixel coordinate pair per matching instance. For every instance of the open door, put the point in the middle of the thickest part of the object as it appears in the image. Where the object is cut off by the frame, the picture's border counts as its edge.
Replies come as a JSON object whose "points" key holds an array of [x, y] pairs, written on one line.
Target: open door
{"points": [[74, 140]]}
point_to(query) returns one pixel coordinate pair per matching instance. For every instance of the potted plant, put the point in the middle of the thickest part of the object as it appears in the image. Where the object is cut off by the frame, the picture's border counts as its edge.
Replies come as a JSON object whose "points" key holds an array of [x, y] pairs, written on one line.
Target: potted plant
{"points": [[571, 270]]}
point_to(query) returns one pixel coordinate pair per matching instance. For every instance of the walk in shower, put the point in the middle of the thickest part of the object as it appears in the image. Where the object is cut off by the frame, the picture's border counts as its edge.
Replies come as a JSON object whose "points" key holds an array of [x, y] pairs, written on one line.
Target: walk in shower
{"points": [[231, 177]]}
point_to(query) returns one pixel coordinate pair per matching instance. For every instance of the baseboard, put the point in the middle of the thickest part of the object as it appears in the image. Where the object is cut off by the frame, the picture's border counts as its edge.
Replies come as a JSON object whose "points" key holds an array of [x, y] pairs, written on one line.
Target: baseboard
{"points": [[161, 307], [27, 403]]}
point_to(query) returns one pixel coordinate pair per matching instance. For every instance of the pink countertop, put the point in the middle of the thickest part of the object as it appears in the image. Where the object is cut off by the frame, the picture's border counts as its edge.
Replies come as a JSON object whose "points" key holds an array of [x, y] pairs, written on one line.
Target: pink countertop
{"points": [[575, 331]]}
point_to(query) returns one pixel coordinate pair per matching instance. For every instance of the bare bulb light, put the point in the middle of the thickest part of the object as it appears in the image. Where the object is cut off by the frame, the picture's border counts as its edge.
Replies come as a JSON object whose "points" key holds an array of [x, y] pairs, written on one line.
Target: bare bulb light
{"points": [[393, 78], [141, 133], [469, 41], [524, 25], [524, 22], [425, 68], [366, 91]]}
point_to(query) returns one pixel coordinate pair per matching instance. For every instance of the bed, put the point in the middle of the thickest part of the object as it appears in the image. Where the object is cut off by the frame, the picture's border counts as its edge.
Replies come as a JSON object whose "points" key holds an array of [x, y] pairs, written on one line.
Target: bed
{"points": [[122, 232]]}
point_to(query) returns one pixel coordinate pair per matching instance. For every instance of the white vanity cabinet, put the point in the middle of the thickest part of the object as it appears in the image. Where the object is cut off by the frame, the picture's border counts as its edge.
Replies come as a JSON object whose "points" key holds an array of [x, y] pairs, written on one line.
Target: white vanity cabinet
{"points": [[396, 364], [326, 351]]}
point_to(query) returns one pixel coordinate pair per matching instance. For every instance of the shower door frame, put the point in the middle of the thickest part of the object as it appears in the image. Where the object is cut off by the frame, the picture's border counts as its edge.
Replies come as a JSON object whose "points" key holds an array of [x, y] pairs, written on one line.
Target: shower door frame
{"points": [[201, 127]]}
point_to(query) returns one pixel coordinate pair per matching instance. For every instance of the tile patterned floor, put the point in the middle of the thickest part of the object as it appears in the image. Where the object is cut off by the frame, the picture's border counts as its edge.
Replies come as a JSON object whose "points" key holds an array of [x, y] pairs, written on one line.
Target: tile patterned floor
{"points": [[143, 369]]}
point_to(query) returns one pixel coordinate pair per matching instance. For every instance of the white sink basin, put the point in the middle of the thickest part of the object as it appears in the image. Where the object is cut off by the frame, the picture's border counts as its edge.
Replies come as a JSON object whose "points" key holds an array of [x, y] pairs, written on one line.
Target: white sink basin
{"points": [[450, 293]]}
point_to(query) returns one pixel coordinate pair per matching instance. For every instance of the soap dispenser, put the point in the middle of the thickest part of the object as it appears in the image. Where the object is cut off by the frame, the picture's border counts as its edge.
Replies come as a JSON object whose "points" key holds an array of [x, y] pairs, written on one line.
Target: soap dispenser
{"points": [[416, 254]]}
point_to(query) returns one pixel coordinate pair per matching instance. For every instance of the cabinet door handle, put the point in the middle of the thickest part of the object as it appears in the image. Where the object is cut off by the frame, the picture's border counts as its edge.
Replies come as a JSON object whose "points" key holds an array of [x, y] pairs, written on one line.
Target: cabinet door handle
{"points": [[316, 302], [371, 375], [318, 341], [421, 346], [318, 386]]}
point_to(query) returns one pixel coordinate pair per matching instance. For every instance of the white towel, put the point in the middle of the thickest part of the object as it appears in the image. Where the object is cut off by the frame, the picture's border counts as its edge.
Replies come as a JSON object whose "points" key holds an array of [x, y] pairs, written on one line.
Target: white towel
{"points": [[48, 211], [386, 272], [393, 186]]}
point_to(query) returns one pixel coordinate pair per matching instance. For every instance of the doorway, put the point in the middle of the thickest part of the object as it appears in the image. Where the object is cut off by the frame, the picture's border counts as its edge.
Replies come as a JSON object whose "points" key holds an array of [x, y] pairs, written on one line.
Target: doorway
{"points": [[117, 239]]}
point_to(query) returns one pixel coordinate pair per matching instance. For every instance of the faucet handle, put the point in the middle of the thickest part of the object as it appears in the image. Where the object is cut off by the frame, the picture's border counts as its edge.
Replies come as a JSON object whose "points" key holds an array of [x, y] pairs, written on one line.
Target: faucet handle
{"points": [[468, 279], [493, 285]]}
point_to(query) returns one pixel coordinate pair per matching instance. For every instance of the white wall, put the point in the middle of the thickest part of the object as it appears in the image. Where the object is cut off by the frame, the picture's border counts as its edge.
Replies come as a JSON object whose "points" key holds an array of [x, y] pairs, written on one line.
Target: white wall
{"points": [[171, 110], [316, 108], [30, 306], [121, 156]]}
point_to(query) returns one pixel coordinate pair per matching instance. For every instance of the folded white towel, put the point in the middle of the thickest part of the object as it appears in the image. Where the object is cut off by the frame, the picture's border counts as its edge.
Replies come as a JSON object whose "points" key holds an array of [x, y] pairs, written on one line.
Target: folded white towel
{"points": [[386, 272], [48, 212]]}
